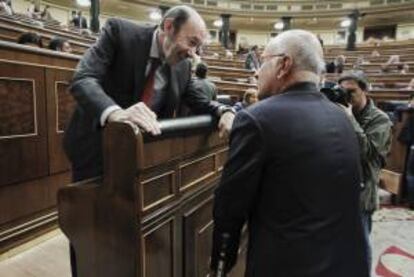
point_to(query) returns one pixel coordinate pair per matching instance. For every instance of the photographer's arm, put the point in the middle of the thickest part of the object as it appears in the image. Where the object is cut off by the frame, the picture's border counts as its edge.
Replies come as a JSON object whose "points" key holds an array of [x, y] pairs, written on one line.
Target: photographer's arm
{"points": [[375, 140]]}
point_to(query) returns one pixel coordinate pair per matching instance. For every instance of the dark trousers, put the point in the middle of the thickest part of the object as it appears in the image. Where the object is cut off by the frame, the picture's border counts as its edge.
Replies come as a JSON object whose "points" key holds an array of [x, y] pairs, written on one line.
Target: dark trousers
{"points": [[367, 228], [73, 268]]}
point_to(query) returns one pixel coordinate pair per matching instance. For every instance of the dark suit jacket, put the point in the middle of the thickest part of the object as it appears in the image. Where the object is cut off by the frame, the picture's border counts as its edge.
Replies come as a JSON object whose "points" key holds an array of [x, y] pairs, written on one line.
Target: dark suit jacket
{"points": [[207, 87], [112, 72], [293, 174], [80, 22]]}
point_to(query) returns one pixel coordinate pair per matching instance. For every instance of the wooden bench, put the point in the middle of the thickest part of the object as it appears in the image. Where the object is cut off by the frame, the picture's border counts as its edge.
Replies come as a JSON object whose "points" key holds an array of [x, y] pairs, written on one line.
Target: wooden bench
{"points": [[35, 110], [150, 214], [393, 174], [12, 33], [9, 21], [229, 73]]}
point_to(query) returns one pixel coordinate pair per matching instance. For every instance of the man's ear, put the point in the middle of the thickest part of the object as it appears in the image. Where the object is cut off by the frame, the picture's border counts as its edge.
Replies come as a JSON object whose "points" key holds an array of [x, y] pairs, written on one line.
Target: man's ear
{"points": [[168, 26], [285, 65]]}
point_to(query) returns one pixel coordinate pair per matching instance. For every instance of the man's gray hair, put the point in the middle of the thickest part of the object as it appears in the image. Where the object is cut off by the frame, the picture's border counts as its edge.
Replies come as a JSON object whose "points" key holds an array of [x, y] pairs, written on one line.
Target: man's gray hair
{"points": [[304, 48]]}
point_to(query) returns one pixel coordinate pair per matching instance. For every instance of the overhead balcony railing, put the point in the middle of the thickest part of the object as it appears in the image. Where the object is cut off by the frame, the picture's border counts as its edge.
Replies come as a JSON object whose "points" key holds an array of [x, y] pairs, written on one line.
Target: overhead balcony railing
{"points": [[300, 8]]}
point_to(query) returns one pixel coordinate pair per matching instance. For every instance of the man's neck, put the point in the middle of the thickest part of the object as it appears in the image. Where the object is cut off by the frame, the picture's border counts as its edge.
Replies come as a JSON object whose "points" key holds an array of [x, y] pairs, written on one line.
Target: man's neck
{"points": [[358, 108], [300, 77]]}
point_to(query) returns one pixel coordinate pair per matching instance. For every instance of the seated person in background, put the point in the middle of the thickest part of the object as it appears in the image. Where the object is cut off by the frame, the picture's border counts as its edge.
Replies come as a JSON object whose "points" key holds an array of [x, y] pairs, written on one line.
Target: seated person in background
{"points": [[403, 68], [252, 79], [337, 66], [252, 61], [201, 82], [393, 59], [45, 15], [373, 41], [195, 59], [410, 84], [242, 50], [249, 98], [60, 44], [31, 39], [5, 8], [375, 53], [228, 54], [33, 11], [360, 61]]}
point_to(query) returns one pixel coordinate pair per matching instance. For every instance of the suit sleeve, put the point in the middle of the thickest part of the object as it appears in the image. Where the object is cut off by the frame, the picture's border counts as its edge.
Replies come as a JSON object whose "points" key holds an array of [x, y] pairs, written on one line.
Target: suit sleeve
{"points": [[199, 101], [236, 194], [92, 70], [374, 141]]}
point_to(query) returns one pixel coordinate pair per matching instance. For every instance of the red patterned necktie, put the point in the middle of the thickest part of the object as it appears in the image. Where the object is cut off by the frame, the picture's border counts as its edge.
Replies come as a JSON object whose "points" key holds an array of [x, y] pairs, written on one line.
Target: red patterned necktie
{"points": [[148, 91]]}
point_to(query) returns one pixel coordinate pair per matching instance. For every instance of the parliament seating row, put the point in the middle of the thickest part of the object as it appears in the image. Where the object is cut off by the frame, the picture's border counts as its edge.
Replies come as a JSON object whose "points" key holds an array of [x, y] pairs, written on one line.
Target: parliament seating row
{"points": [[12, 33], [12, 21]]}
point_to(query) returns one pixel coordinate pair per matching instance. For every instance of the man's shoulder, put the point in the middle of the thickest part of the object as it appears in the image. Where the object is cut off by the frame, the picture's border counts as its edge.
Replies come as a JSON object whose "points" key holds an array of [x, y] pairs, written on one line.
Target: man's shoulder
{"points": [[377, 115]]}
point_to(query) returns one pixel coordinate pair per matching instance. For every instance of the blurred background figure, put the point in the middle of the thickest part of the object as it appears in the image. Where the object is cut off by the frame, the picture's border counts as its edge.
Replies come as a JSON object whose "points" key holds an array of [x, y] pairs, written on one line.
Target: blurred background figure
{"points": [[31, 39], [60, 44], [249, 98], [252, 61], [5, 8]]}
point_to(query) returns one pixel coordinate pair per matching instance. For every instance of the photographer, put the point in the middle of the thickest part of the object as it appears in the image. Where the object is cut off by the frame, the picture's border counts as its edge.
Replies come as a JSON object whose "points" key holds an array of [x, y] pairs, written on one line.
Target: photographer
{"points": [[373, 129]]}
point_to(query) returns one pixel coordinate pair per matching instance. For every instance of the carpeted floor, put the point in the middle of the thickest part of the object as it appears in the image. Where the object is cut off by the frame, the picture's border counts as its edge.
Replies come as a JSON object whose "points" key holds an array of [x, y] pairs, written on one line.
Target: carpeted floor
{"points": [[392, 239], [393, 242]]}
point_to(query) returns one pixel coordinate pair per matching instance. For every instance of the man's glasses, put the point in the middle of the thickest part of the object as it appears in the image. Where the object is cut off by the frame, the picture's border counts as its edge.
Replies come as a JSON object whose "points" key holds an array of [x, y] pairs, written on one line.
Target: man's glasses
{"points": [[264, 58]]}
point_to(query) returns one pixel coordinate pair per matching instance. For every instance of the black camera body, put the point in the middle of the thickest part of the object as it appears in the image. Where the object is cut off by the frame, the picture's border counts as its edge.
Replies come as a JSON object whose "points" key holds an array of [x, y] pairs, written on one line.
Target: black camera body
{"points": [[337, 95]]}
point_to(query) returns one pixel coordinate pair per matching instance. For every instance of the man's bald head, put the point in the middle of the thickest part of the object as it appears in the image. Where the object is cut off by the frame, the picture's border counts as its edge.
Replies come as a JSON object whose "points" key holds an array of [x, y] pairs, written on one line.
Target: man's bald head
{"points": [[182, 32], [291, 57], [180, 15], [303, 46]]}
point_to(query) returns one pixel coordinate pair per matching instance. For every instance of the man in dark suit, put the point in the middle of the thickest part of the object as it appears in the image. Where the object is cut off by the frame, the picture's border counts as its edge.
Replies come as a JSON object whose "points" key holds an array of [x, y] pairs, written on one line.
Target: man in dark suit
{"points": [[252, 61], [80, 21], [292, 174], [137, 74], [202, 83]]}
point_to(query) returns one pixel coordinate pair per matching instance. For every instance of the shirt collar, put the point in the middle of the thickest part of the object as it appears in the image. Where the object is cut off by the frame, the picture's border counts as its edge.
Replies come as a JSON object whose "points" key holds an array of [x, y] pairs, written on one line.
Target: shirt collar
{"points": [[155, 50]]}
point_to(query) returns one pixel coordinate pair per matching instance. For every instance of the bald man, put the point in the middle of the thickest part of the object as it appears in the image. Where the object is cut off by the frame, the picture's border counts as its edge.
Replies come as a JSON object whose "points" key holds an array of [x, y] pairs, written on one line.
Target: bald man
{"points": [[138, 74], [292, 175]]}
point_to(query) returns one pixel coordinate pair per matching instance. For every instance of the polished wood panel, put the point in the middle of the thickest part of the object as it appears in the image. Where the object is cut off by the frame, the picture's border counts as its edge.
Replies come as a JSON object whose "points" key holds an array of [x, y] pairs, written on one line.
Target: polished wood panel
{"points": [[136, 216], [28, 209], [60, 105], [158, 250], [32, 165], [198, 232], [18, 113], [23, 142]]}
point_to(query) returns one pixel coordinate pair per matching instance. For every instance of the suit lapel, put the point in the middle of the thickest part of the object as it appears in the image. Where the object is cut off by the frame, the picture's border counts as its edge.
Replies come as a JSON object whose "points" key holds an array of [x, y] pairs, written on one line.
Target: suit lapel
{"points": [[141, 57]]}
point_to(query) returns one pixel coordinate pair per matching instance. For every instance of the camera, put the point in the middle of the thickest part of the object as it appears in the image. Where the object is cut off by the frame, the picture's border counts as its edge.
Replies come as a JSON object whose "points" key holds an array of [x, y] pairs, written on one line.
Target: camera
{"points": [[337, 95]]}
